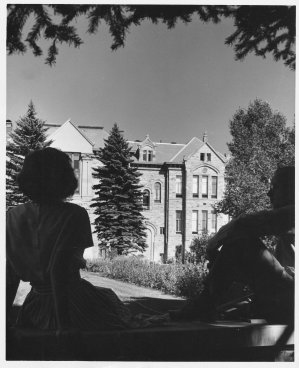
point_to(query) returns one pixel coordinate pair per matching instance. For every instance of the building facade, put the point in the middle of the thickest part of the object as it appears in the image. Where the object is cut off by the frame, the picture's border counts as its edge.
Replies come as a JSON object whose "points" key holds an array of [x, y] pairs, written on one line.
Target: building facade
{"points": [[181, 182]]}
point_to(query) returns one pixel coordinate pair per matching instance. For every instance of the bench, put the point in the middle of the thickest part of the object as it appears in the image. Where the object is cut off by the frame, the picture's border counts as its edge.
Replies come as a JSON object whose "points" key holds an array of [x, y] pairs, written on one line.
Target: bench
{"points": [[175, 341]]}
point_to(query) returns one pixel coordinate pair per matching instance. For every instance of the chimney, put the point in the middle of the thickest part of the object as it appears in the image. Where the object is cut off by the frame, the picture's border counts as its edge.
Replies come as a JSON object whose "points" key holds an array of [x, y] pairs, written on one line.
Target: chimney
{"points": [[205, 137]]}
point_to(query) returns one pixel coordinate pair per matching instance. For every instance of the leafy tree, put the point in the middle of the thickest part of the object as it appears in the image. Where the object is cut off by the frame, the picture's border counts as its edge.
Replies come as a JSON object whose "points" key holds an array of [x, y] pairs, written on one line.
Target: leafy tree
{"points": [[259, 29], [198, 247], [29, 135], [261, 142], [119, 223]]}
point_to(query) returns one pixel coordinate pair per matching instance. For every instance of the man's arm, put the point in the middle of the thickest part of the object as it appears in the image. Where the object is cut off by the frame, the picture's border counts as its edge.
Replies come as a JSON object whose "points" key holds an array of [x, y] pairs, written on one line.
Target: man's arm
{"points": [[272, 222]]}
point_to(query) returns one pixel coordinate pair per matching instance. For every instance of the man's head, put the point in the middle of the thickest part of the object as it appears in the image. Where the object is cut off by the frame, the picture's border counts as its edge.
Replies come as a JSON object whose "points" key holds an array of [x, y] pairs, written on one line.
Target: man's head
{"points": [[282, 190]]}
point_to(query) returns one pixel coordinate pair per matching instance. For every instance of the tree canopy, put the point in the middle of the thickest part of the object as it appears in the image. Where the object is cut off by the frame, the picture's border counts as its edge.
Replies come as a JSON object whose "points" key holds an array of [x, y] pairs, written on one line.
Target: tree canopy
{"points": [[261, 142], [259, 29]]}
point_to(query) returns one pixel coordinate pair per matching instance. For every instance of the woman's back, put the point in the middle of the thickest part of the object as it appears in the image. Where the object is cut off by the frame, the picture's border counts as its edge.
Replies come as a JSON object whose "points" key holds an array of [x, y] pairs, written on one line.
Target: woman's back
{"points": [[35, 232]]}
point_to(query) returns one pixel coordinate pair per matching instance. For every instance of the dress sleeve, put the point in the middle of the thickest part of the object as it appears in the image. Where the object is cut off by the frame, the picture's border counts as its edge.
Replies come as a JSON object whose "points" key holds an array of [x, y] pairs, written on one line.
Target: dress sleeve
{"points": [[83, 231]]}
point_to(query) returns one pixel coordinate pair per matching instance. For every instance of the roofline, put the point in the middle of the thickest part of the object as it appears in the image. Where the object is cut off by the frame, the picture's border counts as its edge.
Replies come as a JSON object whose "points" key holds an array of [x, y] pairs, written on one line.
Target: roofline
{"points": [[171, 144], [182, 149], [216, 153], [78, 130], [90, 127]]}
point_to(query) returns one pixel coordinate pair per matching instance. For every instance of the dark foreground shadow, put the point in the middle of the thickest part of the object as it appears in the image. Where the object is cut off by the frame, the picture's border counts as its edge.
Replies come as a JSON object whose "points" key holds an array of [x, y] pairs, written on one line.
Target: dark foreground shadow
{"points": [[192, 341]]}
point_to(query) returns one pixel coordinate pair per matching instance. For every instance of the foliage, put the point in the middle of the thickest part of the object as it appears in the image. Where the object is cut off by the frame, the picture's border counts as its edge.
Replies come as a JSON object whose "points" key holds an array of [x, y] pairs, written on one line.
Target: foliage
{"points": [[119, 223], [259, 29], [261, 142], [263, 30], [198, 247], [179, 279], [29, 135]]}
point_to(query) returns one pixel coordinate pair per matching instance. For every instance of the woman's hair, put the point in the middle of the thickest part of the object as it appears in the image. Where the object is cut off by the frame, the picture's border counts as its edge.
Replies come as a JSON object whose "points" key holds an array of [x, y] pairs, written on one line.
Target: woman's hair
{"points": [[47, 176]]}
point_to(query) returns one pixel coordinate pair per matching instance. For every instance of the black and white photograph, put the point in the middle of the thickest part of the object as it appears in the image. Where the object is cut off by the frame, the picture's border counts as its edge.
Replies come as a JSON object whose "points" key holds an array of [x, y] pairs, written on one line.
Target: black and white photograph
{"points": [[149, 182]]}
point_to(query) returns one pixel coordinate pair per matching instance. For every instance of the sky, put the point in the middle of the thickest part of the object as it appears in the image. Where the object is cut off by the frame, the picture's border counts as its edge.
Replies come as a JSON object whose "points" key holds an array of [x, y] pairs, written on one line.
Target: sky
{"points": [[171, 84]]}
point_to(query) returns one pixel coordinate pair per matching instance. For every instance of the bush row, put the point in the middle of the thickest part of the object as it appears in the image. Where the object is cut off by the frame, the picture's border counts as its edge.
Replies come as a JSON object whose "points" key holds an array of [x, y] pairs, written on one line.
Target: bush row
{"points": [[178, 279]]}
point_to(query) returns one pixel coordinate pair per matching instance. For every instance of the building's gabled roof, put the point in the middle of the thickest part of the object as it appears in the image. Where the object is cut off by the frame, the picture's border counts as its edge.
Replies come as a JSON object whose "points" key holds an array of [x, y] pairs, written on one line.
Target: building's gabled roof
{"points": [[163, 151], [51, 128], [93, 134], [97, 135], [173, 152], [188, 150]]}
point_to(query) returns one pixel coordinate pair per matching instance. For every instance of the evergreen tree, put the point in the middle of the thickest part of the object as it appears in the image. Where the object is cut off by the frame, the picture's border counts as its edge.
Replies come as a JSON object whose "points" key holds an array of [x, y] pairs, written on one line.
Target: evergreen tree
{"points": [[261, 142], [119, 223], [260, 29], [29, 135]]}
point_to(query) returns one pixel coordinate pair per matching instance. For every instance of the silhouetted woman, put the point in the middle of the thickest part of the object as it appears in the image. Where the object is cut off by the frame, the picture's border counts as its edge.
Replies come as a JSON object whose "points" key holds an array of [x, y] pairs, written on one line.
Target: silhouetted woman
{"points": [[46, 238]]}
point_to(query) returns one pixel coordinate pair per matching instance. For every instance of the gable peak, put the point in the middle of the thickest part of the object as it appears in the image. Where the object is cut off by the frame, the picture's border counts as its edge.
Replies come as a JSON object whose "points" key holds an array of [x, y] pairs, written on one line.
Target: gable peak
{"points": [[147, 142]]}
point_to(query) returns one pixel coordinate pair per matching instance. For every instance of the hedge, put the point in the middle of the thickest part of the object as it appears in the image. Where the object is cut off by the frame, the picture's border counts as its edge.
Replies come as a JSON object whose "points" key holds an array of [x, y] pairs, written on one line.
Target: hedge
{"points": [[179, 279]]}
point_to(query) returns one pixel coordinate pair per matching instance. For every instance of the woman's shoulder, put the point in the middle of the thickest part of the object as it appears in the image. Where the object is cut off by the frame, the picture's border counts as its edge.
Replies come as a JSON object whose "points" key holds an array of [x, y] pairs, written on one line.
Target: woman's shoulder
{"points": [[20, 209], [74, 207]]}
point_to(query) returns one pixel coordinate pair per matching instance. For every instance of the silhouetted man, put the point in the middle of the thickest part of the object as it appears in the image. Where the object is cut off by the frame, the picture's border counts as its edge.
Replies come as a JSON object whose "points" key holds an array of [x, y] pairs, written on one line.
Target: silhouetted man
{"points": [[237, 254]]}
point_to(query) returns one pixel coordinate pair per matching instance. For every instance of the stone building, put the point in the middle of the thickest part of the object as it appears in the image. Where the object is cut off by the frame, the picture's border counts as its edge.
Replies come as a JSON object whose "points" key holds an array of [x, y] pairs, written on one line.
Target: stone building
{"points": [[180, 182]]}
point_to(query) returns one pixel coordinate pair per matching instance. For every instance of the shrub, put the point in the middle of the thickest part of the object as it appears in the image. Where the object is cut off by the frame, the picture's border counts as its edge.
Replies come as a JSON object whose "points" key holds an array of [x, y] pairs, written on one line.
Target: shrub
{"points": [[198, 248], [178, 279]]}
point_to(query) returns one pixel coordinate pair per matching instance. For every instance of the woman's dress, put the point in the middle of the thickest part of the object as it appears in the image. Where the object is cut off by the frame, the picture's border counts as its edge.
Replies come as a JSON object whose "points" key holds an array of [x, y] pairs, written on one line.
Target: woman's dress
{"points": [[35, 233]]}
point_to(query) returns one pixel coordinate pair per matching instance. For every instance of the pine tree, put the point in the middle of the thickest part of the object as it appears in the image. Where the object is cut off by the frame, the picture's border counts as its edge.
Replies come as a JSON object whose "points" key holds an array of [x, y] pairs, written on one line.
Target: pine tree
{"points": [[29, 135], [119, 223]]}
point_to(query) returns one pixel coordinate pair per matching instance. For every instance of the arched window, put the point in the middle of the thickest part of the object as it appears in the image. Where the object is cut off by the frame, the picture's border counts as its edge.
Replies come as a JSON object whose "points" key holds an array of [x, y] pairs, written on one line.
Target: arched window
{"points": [[157, 192], [146, 199]]}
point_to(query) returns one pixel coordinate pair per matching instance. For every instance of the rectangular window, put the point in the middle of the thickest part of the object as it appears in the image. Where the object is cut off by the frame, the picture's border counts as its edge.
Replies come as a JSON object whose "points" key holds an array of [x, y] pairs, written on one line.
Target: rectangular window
{"points": [[194, 222], [157, 193], [204, 220], [204, 186], [146, 199], [144, 155], [214, 186], [178, 221], [162, 231], [75, 160], [178, 185], [202, 157], [150, 155], [195, 185], [208, 157], [214, 222]]}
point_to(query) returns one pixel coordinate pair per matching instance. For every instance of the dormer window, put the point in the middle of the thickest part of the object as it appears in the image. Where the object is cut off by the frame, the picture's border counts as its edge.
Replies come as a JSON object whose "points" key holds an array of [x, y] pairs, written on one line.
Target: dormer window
{"points": [[147, 155], [147, 150]]}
